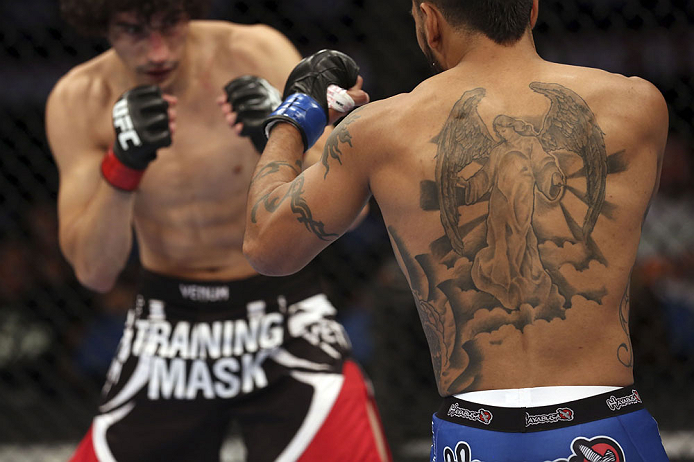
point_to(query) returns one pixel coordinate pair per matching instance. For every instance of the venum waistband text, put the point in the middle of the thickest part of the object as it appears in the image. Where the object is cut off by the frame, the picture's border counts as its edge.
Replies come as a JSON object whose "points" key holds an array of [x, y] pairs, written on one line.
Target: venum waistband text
{"points": [[198, 293]]}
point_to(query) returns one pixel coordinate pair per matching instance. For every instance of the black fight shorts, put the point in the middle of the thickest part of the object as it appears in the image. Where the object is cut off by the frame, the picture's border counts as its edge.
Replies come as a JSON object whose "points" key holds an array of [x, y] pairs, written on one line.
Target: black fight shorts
{"points": [[266, 352]]}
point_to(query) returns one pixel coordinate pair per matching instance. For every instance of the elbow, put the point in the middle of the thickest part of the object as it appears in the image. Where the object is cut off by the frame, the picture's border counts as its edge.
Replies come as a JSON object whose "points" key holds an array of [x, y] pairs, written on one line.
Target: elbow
{"points": [[268, 261], [97, 274], [93, 279]]}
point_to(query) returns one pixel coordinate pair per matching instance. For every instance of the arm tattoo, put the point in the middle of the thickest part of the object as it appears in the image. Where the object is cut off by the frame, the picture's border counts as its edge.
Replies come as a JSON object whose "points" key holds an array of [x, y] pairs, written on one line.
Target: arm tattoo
{"points": [[332, 145], [274, 167], [298, 206]]}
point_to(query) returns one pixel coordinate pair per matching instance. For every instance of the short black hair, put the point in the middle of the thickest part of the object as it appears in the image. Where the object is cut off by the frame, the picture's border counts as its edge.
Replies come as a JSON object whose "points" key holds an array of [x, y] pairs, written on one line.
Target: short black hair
{"points": [[503, 21], [92, 17]]}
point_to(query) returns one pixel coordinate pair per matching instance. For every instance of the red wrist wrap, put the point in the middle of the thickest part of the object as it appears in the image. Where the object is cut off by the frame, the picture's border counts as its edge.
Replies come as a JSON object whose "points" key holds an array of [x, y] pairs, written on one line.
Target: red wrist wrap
{"points": [[119, 175]]}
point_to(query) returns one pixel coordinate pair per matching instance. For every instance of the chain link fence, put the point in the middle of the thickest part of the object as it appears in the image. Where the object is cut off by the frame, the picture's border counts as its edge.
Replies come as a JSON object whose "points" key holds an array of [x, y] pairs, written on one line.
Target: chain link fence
{"points": [[56, 338]]}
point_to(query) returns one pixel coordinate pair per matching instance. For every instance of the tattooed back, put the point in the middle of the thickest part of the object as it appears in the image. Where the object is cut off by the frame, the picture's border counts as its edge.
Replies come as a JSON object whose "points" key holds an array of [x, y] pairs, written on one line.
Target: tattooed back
{"points": [[514, 202]]}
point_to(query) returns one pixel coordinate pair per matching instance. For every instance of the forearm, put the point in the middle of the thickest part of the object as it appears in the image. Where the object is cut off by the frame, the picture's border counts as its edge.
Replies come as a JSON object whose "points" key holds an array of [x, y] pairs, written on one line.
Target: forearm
{"points": [[97, 239], [287, 205], [269, 217]]}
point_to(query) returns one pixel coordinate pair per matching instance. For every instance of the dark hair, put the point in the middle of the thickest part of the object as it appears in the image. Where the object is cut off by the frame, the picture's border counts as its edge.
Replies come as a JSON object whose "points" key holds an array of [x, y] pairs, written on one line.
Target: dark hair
{"points": [[91, 17], [504, 21]]}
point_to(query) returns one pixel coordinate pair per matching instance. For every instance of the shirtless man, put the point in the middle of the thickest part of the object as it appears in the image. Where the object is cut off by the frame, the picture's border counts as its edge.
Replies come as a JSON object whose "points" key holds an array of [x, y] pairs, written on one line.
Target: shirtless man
{"points": [[140, 141], [513, 190]]}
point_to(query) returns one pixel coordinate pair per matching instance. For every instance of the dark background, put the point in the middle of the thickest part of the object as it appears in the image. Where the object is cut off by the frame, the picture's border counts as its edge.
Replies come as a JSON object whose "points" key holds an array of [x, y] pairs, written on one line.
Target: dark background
{"points": [[56, 338]]}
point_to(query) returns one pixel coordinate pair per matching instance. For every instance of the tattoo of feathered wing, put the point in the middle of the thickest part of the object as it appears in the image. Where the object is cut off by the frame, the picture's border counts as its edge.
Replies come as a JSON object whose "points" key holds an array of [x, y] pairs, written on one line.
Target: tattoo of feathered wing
{"points": [[463, 139], [564, 128]]}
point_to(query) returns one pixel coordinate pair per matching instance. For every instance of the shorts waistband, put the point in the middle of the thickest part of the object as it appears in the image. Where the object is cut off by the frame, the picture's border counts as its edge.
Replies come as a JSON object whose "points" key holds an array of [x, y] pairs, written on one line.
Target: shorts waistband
{"points": [[533, 397], [211, 294], [541, 418]]}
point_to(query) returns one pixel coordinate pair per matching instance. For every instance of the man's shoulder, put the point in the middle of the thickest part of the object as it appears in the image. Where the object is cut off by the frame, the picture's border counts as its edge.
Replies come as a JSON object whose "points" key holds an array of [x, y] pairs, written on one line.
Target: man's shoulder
{"points": [[249, 49], [85, 85], [612, 87], [384, 112], [632, 107], [379, 127], [632, 101], [236, 37]]}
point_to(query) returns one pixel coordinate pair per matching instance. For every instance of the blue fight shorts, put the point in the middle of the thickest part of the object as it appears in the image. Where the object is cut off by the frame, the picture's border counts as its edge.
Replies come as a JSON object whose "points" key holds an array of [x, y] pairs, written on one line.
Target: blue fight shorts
{"points": [[607, 427]]}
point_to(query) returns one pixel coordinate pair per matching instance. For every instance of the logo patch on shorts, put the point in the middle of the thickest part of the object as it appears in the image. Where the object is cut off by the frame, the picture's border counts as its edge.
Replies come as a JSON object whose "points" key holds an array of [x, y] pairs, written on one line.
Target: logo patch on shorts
{"points": [[615, 404], [481, 415], [598, 449], [563, 414]]}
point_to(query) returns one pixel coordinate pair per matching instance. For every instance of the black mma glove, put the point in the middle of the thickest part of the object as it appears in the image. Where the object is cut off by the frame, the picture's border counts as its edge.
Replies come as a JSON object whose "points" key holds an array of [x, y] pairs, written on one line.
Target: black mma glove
{"points": [[305, 94], [141, 122], [252, 99]]}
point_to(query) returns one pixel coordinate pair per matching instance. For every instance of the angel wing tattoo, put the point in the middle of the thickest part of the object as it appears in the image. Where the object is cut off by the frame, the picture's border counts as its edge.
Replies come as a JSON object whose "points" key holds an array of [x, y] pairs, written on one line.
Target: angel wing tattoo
{"points": [[571, 125], [463, 139], [517, 163]]}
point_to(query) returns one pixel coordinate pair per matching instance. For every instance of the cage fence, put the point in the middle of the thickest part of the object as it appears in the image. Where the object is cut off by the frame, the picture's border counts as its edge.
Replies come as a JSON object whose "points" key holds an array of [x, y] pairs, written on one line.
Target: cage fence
{"points": [[56, 338]]}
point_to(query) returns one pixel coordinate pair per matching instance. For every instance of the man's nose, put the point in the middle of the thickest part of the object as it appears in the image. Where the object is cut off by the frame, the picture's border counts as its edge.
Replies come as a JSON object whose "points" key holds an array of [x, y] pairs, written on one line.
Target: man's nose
{"points": [[159, 51]]}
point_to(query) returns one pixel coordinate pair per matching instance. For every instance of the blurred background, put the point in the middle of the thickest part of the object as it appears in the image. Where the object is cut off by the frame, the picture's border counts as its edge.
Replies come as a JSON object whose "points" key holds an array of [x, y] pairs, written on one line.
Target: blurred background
{"points": [[56, 338]]}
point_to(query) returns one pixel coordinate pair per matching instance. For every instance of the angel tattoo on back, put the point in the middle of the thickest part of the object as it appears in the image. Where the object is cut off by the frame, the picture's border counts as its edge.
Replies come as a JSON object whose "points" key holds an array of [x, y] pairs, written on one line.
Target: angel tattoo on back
{"points": [[517, 164]]}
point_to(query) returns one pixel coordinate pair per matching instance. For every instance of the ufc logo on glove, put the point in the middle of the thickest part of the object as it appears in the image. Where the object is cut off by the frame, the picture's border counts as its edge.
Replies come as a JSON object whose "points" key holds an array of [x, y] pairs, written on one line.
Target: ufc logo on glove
{"points": [[124, 124]]}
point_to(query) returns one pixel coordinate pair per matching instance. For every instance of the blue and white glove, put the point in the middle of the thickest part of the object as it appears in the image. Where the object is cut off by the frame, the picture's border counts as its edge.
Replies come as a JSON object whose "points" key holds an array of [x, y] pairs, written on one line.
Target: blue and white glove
{"points": [[306, 92]]}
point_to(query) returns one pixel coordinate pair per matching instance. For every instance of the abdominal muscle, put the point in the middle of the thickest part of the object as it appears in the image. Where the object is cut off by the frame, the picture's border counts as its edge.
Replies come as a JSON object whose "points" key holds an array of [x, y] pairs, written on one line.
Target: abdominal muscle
{"points": [[190, 216], [187, 255], [207, 250]]}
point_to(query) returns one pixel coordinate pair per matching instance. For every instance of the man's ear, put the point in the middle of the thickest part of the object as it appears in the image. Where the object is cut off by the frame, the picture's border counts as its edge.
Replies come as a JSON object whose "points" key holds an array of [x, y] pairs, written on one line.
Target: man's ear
{"points": [[432, 21], [534, 12]]}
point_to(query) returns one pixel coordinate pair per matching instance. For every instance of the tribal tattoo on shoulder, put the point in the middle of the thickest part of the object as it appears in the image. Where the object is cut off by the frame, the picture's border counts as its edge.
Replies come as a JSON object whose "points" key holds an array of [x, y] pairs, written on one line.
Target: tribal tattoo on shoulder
{"points": [[299, 208], [338, 137], [518, 205]]}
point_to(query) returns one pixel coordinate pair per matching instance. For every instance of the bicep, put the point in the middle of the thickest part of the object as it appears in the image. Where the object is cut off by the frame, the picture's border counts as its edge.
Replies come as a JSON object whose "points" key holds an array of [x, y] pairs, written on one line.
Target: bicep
{"points": [[78, 159], [334, 200]]}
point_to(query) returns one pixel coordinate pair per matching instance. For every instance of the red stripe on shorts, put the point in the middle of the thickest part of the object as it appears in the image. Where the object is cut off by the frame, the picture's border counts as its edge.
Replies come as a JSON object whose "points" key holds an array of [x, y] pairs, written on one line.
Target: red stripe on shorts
{"points": [[85, 451], [347, 434]]}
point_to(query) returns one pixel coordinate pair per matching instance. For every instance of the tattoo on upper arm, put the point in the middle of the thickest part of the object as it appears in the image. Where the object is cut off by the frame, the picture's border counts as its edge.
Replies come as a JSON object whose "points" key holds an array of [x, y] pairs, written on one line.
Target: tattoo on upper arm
{"points": [[298, 206], [339, 136], [517, 206], [274, 167]]}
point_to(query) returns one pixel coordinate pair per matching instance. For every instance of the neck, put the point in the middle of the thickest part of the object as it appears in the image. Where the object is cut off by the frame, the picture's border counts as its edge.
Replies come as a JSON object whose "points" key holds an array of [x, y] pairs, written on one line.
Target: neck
{"points": [[479, 50]]}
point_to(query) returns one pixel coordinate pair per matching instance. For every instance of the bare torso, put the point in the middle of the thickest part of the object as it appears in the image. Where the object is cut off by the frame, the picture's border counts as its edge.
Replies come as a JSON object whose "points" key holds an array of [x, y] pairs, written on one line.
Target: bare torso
{"points": [[188, 212], [518, 234]]}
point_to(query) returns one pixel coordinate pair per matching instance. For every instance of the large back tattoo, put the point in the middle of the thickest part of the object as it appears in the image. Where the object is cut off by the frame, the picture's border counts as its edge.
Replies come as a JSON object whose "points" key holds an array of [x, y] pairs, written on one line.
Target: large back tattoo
{"points": [[517, 209]]}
